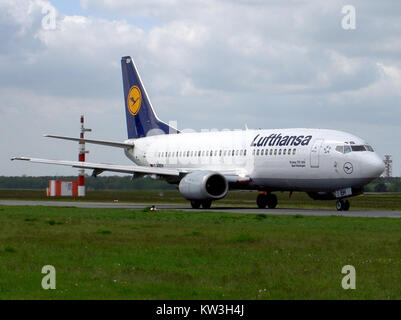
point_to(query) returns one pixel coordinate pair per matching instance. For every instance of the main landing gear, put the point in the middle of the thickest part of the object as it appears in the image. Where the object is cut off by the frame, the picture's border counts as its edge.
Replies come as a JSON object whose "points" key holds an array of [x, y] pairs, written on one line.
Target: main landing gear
{"points": [[266, 199], [196, 204], [342, 205]]}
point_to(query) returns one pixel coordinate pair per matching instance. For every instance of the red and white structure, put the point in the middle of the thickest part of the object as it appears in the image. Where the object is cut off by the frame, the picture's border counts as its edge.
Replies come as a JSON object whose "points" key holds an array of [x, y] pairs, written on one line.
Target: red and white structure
{"points": [[388, 167], [58, 188], [81, 157]]}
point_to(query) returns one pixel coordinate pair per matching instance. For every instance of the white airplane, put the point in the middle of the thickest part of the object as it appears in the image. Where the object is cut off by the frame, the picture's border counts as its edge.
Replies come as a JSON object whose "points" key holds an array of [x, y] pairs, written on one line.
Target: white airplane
{"points": [[326, 164]]}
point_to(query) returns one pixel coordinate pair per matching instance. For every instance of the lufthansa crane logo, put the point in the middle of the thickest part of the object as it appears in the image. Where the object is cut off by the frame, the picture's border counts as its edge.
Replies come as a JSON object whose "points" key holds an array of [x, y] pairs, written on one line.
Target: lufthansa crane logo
{"points": [[348, 168], [134, 100]]}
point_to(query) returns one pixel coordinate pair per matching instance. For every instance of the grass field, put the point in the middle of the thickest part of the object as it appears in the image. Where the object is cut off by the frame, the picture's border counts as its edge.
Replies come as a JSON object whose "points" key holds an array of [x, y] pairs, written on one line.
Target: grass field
{"points": [[126, 254], [234, 198]]}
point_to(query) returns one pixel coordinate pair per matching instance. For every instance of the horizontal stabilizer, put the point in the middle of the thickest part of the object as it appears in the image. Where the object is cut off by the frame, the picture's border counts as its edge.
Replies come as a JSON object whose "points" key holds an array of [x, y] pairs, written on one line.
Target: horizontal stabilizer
{"points": [[101, 142]]}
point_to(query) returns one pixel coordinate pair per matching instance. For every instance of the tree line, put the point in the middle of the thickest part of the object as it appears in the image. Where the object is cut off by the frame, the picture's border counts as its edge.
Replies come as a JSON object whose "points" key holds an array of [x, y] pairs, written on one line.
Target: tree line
{"points": [[126, 183], [92, 183]]}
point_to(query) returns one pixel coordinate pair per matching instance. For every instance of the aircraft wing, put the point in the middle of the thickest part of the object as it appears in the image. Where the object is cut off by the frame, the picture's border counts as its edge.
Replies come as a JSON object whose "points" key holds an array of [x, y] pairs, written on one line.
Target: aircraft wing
{"points": [[100, 167], [236, 175], [232, 176]]}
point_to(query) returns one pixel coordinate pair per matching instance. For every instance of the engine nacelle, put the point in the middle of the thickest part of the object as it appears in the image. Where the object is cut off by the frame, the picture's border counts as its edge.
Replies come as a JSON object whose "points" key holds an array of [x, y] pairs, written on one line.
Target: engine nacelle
{"points": [[203, 185]]}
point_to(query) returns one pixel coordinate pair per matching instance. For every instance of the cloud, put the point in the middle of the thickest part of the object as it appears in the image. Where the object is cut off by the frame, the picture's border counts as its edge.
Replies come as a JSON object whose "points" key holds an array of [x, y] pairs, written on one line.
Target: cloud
{"points": [[265, 63]]}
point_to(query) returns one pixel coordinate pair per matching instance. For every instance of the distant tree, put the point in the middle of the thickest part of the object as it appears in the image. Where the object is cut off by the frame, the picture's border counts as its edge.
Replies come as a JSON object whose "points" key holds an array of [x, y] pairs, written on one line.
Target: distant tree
{"points": [[92, 183], [381, 187], [395, 185]]}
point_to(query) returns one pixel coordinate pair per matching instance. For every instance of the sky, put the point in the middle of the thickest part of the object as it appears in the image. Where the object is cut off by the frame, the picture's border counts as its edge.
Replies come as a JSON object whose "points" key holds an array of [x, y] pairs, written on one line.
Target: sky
{"points": [[210, 64]]}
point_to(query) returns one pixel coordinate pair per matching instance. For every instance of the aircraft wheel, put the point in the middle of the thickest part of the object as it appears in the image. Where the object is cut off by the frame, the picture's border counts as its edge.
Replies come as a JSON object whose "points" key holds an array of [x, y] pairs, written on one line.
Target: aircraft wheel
{"points": [[272, 201], [206, 204], [346, 205], [195, 204], [261, 201], [340, 205]]}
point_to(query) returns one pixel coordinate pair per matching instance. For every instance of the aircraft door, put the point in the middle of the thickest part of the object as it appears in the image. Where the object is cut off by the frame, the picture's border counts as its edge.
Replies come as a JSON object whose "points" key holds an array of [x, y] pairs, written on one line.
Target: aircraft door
{"points": [[314, 153]]}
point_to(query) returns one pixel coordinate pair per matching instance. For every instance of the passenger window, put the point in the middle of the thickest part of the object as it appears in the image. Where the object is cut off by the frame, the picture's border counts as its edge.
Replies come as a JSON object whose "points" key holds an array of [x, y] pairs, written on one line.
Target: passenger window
{"points": [[271, 151], [279, 152], [294, 151], [211, 153], [221, 152], [253, 152], [284, 151], [244, 152], [237, 152], [261, 152], [275, 152]]}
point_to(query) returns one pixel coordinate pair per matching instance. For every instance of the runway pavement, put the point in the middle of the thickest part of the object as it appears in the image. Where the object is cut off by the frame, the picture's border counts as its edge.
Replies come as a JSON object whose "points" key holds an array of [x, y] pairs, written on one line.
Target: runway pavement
{"points": [[278, 211]]}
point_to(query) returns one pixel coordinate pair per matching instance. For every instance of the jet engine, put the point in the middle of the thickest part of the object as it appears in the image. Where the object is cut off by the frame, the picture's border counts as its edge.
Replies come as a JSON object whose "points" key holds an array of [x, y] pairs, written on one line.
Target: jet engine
{"points": [[203, 185]]}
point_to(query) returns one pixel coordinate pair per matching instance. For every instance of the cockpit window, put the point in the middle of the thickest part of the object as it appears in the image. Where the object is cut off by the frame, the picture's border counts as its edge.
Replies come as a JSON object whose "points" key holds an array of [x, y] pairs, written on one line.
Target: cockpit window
{"points": [[347, 148], [358, 148], [340, 149]]}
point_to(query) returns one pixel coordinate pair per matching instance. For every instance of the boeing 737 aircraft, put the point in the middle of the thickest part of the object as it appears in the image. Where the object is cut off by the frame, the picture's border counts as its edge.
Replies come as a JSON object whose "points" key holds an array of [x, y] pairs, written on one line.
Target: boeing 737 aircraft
{"points": [[326, 164]]}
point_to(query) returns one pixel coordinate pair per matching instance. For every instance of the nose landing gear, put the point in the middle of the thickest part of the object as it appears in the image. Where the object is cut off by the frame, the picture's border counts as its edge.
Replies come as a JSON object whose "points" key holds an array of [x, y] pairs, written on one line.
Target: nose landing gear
{"points": [[266, 199], [342, 205]]}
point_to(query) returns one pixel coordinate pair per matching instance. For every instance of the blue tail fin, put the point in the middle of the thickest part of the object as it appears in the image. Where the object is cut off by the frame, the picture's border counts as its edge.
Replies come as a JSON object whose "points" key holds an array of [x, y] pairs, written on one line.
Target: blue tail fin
{"points": [[141, 118]]}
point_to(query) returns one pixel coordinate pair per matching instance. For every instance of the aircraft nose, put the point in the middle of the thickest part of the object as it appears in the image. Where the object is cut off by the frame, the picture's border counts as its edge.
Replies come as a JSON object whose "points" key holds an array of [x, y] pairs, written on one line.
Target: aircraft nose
{"points": [[375, 166]]}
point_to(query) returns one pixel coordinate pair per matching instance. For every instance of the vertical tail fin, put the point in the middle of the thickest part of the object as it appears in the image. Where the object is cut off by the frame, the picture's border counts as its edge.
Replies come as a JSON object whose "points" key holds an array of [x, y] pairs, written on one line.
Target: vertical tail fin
{"points": [[141, 118]]}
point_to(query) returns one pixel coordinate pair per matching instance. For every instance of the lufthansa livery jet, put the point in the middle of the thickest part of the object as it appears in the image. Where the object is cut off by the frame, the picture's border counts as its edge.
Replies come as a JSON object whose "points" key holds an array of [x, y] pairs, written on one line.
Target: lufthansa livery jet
{"points": [[326, 164]]}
